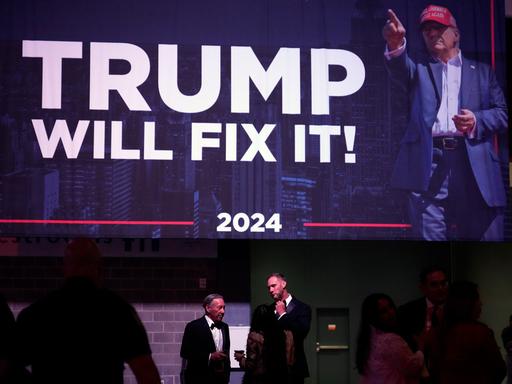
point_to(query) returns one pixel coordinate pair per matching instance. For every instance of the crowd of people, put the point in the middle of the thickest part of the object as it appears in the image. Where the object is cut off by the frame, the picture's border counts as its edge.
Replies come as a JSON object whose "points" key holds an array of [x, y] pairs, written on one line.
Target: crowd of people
{"points": [[83, 333], [435, 339]]}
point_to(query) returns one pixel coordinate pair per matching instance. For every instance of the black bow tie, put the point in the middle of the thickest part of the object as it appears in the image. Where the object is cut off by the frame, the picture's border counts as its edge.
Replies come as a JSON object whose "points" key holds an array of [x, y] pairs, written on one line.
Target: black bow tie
{"points": [[215, 325]]}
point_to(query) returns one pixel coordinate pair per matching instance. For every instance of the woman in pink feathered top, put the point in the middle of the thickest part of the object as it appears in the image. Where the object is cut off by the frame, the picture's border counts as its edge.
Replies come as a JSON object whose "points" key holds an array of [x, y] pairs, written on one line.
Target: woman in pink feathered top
{"points": [[382, 356]]}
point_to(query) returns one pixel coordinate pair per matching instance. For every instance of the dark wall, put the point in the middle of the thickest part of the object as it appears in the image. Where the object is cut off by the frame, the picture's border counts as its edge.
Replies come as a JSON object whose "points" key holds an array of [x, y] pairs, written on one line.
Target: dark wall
{"points": [[141, 278]]}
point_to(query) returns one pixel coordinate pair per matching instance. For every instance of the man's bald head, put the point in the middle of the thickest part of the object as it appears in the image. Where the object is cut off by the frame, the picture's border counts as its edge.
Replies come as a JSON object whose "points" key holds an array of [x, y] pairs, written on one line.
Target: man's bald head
{"points": [[82, 258]]}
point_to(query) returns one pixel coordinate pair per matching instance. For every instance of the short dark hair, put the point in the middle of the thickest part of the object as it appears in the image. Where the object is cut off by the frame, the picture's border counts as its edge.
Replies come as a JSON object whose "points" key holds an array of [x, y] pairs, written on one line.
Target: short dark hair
{"points": [[431, 269], [212, 296], [279, 275]]}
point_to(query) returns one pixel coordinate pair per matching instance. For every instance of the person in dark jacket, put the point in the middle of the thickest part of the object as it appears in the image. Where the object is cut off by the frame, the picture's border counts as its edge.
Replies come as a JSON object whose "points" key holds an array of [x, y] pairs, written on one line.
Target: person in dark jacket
{"points": [[82, 333], [295, 316], [205, 345]]}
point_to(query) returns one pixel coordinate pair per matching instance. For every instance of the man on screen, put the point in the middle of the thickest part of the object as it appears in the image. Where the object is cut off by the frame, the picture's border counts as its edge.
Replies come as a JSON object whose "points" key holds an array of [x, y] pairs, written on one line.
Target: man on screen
{"points": [[447, 160]]}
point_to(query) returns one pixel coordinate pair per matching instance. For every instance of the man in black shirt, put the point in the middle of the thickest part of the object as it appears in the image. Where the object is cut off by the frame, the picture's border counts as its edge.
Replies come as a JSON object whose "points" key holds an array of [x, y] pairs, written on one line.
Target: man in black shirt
{"points": [[82, 333]]}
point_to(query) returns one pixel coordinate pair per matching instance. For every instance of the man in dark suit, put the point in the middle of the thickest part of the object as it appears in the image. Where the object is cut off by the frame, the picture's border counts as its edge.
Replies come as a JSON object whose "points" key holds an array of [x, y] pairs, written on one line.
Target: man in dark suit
{"points": [[292, 315], [447, 160], [416, 318], [205, 345]]}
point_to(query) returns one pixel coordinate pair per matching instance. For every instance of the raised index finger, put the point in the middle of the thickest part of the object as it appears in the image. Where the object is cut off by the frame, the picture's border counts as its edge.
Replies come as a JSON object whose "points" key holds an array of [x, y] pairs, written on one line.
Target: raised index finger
{"points": [[393, 18]]}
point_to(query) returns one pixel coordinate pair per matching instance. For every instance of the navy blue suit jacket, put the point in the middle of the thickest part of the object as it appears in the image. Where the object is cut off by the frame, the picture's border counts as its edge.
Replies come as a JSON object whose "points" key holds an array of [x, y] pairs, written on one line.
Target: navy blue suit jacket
{"points": [[480, 93]]}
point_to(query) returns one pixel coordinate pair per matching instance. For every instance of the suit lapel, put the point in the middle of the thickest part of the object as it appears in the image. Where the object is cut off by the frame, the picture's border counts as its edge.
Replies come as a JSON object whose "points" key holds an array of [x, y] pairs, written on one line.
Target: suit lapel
{"points": [[436, 76], [207, 330], [468, 81], [225, 338], [291, 306]]}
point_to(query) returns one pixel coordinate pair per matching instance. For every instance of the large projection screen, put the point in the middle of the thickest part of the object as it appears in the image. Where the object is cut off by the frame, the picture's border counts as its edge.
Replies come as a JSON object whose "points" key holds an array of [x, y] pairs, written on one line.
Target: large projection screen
{"points": [[233, 119]]}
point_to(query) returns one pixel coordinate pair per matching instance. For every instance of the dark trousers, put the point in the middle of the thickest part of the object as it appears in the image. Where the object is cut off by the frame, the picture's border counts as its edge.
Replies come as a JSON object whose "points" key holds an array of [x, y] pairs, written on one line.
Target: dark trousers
{"points": [[453, 208]]}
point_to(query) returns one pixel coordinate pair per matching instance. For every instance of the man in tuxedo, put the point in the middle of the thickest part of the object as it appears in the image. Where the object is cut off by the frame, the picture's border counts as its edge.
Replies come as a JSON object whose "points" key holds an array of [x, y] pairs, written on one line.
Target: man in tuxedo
{"points": [[292, 315], [416, 318], [205, 345]]}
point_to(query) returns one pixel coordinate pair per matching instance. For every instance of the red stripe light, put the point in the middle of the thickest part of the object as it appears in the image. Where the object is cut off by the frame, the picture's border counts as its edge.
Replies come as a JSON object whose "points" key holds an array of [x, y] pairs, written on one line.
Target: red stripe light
{"points": [[358, 225], [95, 222]]}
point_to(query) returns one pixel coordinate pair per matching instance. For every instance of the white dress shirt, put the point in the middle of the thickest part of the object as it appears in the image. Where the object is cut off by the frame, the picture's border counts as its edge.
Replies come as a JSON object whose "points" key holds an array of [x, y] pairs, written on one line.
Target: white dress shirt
{"points": [[450, 89], [449, 107], [217, 335]]}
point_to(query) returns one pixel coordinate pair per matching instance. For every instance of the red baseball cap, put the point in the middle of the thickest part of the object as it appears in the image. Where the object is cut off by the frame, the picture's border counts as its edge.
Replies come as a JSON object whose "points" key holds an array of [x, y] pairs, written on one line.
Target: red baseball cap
{"points": [[441, 15]]}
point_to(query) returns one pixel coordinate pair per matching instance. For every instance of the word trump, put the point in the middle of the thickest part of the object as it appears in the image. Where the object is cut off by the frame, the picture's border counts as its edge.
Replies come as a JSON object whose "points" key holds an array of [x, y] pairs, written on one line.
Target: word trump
{"points": [[245, 68]]}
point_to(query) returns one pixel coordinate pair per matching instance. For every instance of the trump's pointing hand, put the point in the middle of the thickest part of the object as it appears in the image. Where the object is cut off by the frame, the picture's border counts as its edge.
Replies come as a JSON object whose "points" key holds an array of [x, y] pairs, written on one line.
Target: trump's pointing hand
{"points": [[393, 31]]}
